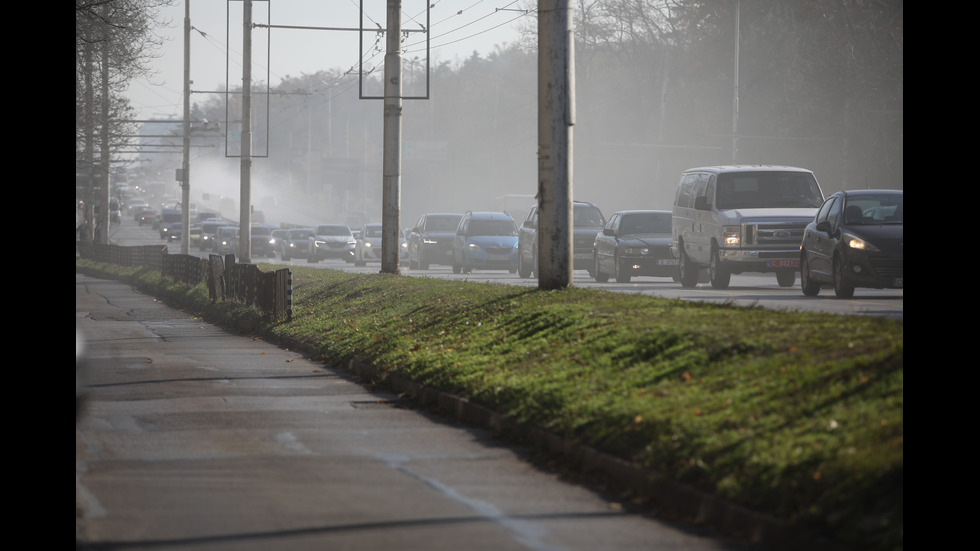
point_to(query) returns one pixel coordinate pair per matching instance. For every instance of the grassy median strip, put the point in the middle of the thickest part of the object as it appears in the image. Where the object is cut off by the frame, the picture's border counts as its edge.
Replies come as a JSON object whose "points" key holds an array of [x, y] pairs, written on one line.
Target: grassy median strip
{"points": [[798, 415]]}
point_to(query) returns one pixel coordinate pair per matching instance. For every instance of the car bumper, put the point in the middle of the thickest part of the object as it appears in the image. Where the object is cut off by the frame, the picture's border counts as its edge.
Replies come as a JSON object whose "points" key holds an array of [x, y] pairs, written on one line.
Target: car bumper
{"points": [[877, 272], [492, 262], [431, 254], [755, 260], [334, 252], [655, 267], [582, 260]]}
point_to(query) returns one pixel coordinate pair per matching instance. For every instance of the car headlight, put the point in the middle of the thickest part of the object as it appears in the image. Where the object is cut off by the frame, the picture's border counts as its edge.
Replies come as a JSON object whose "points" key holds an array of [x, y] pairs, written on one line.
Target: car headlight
{"points": [[473, 247], [731, 235], [636, 251], [429, 241], [367, 244], [859, 244]]}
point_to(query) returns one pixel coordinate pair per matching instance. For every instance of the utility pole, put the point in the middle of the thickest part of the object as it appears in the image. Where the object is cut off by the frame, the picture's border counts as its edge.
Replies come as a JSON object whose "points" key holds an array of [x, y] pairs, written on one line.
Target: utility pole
{"points": [[185, 171], [738, 13], [245, 210], [391, 193], [556, 115]]}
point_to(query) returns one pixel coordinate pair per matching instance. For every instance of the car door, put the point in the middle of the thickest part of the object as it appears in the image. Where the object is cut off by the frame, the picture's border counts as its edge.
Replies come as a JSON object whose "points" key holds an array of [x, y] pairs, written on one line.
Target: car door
{"points": [[820, 243], [605, 244], [527, 237], [415, 240]]}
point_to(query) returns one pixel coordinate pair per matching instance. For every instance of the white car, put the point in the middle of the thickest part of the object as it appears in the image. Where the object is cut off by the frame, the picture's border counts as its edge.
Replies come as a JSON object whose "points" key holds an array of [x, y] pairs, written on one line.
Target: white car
{"points": [[331, 241], [368, 246]]}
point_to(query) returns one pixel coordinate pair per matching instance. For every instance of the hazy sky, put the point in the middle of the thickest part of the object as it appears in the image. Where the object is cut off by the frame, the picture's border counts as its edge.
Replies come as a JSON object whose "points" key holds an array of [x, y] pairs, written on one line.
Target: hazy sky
{"points": [[458, 28]]}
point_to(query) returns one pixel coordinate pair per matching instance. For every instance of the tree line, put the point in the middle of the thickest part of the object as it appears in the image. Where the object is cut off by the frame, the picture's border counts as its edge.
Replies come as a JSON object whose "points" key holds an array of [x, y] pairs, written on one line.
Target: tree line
{"points": [[661, 85]]}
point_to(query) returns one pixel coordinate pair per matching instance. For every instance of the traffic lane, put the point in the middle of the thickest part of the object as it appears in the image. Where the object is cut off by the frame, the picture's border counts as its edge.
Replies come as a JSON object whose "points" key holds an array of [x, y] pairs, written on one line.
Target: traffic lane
{"points": [[193, 437], [752, 290]]}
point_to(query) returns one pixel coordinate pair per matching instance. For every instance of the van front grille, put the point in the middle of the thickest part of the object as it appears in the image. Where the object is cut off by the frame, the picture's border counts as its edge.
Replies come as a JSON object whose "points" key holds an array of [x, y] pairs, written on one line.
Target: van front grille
{"points": [[780, 234]]}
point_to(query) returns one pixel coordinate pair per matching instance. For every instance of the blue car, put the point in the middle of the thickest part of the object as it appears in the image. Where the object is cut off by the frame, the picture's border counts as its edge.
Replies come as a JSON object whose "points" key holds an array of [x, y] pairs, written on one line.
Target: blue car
{"points": [[485, 241]]}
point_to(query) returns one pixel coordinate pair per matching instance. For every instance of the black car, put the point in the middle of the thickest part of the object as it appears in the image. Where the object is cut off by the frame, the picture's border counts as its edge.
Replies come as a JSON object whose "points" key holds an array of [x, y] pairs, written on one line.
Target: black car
{"points": [[296, 243], [635, 243], [587, 221], [431, 240], [261, 241], [174, 232], [855, 240]]}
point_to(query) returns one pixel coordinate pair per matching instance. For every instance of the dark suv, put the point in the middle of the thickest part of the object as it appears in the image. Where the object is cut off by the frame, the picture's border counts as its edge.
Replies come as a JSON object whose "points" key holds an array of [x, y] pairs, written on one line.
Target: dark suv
{"points": [[431, 240], [588, 221]]}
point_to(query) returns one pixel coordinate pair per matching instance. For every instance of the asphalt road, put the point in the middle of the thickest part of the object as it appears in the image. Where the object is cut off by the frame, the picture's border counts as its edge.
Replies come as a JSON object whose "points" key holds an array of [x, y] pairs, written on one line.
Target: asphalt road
{"points": [[193, 438], [752, 290]]}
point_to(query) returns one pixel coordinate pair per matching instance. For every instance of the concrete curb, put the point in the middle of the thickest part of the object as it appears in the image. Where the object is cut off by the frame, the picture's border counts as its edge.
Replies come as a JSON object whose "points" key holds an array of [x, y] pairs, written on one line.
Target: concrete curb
{"points": [[667, 497]]}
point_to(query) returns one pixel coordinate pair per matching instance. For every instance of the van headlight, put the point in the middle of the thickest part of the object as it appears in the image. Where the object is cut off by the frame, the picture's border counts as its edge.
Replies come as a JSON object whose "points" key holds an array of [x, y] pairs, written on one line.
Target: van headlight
{"points": [[731, 235]]}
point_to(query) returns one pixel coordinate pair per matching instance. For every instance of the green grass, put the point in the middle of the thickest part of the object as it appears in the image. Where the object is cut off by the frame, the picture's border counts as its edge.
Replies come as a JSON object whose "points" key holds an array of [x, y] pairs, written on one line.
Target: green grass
{"points": [[798, 415]]}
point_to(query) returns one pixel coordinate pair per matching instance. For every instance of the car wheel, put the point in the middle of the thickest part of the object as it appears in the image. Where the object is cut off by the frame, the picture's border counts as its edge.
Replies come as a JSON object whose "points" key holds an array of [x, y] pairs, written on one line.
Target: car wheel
{"points": [[597, 273], [412, 265], [842, 287], [523, 270], [284, 255], [810, 288], [786, 278], [622, 275], [720, 277], [688, 270], [456, 266]]}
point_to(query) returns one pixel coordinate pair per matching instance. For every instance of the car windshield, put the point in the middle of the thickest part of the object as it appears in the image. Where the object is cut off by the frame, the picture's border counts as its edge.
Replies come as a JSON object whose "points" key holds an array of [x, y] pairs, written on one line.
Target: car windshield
{"points": [[372, 231], [261, 231], [492, 227], [646, 222], [874, 209], [767, 190], [299, 234], [587, 217], [441, 223]]}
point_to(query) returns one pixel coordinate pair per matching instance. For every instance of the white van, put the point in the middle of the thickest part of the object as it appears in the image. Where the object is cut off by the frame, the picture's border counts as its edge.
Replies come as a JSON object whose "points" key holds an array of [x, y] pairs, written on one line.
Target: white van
{"points": [[734, 219]]}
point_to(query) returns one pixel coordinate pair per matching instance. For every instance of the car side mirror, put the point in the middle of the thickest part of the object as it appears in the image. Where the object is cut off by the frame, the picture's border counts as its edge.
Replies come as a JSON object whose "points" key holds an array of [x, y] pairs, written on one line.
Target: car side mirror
{"points": [[824, 226], [529, 223], [609, 231]]}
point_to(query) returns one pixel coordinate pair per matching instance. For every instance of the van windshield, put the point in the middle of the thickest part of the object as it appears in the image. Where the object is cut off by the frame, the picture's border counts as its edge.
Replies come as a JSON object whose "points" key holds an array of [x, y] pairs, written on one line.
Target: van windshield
{"points": [[767, 190]]}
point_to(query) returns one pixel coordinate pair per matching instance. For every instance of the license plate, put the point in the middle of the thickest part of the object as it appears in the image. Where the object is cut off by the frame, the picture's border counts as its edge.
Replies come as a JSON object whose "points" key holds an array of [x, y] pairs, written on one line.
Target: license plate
{"points": [[583, 256], [784, 263], [496, 257], [668, 262]]}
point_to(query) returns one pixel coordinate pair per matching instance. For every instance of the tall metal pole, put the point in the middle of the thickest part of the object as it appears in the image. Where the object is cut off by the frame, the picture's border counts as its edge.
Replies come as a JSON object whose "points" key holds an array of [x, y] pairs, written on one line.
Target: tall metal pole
{"points": [[738, 12], [185, 171], [245, 216], [556, 115], [391, 196]]}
